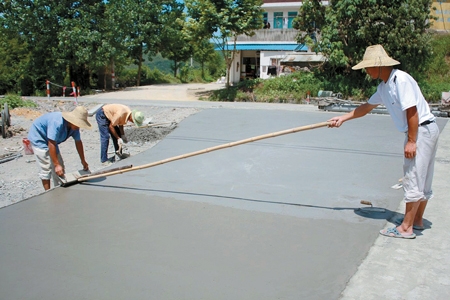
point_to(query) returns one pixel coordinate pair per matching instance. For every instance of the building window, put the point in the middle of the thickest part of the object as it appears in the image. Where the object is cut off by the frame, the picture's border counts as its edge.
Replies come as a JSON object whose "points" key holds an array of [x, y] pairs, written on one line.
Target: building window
{"points": [[291, 17], [265, 19], [278, 20]]}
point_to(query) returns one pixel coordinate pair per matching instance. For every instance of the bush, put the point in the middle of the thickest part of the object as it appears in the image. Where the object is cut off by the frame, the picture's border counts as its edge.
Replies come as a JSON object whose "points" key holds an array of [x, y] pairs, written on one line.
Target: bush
{"points": [[14, 101], [228, 94], [291, 88]]}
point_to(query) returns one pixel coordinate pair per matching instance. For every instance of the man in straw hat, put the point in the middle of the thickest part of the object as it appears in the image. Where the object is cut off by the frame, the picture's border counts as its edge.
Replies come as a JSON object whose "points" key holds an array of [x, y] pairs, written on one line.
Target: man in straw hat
{"points": [[402, 97], [50, 130], [110, 120]]}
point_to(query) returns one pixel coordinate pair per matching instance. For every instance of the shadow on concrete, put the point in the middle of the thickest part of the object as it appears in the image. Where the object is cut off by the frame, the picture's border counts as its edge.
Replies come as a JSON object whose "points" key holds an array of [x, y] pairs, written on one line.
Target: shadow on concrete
{"points": [[388, 215]]}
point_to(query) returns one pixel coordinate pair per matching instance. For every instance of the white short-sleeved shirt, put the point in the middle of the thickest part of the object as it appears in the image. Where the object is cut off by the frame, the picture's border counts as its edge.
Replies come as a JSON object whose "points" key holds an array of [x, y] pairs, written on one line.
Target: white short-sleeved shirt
{"points": [[399, 93]]}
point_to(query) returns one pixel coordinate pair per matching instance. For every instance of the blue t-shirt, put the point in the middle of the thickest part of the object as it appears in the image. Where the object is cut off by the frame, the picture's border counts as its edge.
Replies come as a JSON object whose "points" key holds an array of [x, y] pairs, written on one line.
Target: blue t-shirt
{"points": [[51, 126]]}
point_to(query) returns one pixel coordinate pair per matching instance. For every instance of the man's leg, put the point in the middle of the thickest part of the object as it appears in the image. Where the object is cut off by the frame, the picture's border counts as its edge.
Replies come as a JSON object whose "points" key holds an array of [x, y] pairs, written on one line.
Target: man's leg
{"points": [[426, 153], [103, 124], [46, 184], [418, 220], [44, 165], [408, 221]]}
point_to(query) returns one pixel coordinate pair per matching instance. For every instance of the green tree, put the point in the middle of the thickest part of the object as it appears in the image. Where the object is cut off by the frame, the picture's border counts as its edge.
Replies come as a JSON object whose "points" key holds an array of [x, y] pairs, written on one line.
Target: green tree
{"points": [[204, 53], [223, 21], [14, 58], [175, 44], [216, 65], [80, 38], [36, 25], [63, 38], [141, 25], [309, 21], [400, 26]]}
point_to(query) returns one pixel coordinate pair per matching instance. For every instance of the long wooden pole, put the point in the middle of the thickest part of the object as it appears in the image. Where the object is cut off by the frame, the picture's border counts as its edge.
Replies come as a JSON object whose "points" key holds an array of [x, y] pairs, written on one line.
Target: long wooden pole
{"points": [[228, 145]]}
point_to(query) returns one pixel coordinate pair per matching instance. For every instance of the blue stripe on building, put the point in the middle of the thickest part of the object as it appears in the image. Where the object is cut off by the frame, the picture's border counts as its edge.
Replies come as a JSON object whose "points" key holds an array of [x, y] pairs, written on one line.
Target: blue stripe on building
{"points": [[268, 47]]}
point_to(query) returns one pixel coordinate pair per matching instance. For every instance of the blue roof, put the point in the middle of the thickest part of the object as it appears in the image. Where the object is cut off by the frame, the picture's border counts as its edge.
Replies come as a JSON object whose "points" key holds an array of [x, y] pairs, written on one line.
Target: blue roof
{"points": [[268, 47]]}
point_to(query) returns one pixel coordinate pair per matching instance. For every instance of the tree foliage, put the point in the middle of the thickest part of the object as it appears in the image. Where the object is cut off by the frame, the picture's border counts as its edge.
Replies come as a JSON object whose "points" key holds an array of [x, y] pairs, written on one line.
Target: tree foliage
{"points": [[175, 44], [204, 52], [139, 24], [400, 26], [35, 25], [14, 57], [68, 40], [309, 21]]}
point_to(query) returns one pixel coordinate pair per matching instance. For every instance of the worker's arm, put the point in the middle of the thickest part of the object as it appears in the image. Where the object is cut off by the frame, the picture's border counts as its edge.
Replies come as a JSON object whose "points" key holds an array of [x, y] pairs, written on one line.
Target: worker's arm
{"points": [[358, 112], [113, 131], [122, 134], [80, 150], [53, 152], [412, 117]]}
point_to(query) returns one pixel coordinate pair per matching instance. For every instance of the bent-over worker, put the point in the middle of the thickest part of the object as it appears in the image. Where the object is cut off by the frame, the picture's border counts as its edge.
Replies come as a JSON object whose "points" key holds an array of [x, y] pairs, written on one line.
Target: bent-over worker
{"points": [[50, 130], [110, 119], [402, 97]]}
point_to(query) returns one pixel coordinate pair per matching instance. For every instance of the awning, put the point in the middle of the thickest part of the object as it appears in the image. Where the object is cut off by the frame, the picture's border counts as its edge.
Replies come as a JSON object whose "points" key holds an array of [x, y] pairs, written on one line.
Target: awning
{"points": [[303, 58], [267, 47]]}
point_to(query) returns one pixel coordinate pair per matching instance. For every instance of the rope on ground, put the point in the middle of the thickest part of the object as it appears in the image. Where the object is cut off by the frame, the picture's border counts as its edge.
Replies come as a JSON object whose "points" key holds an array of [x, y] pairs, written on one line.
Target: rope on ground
{"points": [[16, 149], [9, 158]]}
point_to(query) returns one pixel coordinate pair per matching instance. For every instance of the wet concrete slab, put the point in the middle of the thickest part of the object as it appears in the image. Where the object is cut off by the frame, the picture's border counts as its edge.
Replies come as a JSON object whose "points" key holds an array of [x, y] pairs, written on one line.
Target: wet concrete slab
{"points": [[274, 219]]}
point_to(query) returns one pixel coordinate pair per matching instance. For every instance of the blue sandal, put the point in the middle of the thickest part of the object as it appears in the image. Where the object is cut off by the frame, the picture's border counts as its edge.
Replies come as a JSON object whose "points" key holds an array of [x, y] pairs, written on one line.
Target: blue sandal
{"points": [[393, 232]]}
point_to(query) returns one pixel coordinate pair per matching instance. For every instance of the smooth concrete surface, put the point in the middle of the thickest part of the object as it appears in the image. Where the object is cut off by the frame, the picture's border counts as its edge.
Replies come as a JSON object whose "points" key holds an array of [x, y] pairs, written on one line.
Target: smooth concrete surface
{"points": [[274, 219]]}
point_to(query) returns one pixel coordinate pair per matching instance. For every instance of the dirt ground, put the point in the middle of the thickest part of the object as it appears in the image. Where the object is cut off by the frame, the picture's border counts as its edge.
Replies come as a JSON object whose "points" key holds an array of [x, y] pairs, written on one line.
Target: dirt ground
{"points": [[18, 171]]}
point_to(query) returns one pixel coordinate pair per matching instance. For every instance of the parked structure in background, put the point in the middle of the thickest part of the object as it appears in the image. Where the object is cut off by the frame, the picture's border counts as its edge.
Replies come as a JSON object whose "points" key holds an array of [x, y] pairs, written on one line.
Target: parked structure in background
{"points": [[273, 49], [442, 13]]}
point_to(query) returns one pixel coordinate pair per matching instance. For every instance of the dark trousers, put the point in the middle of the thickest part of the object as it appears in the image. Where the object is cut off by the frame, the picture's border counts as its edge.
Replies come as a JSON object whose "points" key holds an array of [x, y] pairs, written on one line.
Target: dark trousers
{"points": [[103, 127]]}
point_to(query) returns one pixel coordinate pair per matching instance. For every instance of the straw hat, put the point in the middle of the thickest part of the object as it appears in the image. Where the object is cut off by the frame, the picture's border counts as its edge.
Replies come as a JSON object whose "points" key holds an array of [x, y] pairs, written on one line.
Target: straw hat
{"points": [[78, 117], [138, 117], [375, 56]]}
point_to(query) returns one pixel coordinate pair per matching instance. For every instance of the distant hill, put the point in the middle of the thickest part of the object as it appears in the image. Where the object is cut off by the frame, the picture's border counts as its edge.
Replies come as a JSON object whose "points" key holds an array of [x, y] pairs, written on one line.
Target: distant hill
{"points": [[160, 63]]}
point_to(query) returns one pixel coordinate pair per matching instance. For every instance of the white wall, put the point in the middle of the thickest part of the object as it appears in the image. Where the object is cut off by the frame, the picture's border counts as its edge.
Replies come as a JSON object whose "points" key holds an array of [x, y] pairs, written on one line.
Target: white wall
{"points": [[235, 71], [269, 58]]}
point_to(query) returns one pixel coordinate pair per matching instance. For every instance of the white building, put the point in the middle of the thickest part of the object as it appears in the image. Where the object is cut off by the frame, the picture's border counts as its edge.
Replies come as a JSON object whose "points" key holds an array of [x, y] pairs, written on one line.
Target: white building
{"points": [[260, 55]]}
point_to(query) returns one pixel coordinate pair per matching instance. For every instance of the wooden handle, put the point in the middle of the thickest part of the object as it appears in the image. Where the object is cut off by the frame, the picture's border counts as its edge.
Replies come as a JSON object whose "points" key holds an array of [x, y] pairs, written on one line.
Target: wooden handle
{"points": [[228, 145], [106, 171], [366, 202]]}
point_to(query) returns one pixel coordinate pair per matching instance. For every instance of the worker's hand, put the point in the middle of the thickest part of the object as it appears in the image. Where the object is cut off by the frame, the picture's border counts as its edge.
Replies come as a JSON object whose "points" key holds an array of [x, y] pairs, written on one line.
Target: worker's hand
{"points": [[120, 142], [59, 170], [335, 122], [85, 165], [124, 138], [410, 150]]}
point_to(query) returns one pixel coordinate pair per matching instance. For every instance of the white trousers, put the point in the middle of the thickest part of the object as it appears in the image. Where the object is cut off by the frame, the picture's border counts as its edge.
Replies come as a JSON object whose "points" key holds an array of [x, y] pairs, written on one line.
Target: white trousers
{"points": [[45, 164], [418, 172]]}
